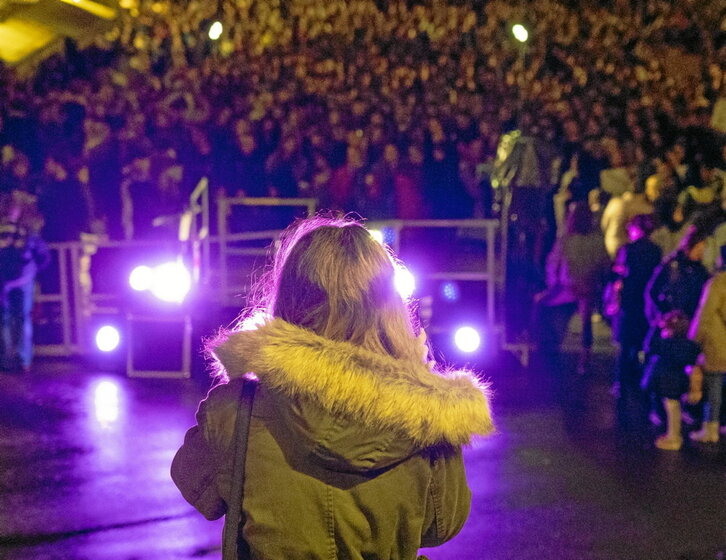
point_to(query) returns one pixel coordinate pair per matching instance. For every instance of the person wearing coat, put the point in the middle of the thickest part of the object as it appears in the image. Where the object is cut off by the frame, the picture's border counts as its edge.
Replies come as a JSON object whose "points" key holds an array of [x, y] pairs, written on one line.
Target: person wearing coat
{"points": [[22, 254], [676, 284], [575, 272], [708, 329], [633, 268], [354, 447]]}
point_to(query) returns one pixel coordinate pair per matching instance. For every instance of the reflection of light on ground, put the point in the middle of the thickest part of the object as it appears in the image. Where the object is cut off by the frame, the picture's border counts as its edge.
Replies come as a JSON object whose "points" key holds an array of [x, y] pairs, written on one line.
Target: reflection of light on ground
{"points": [[98, 10], [106, 402], [19, 38]]}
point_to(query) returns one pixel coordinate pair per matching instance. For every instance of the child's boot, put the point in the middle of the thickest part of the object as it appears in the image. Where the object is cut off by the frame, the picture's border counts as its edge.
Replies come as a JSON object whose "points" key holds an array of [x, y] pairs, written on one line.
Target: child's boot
{"points": [[671, 440], [707, 434]]}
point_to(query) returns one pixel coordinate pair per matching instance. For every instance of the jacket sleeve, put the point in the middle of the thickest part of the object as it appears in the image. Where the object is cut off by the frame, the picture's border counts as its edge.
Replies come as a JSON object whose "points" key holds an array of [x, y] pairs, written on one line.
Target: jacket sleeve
{"points": [[449, 499], [707, 319], [200, 468]]}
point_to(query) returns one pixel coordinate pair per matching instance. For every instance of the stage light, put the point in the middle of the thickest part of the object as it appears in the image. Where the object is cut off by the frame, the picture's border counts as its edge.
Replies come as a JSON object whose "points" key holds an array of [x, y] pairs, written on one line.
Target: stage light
{"points": [[450, 291], [376, 234], [171, 282], [215, 30], [520, 33], [405, 281], [107, 338], [141, 278], [467, 339]]}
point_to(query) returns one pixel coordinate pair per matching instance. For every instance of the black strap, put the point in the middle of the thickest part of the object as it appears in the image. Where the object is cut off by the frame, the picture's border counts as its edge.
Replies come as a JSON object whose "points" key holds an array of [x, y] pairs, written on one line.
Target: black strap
{"points": [[234, 505]]}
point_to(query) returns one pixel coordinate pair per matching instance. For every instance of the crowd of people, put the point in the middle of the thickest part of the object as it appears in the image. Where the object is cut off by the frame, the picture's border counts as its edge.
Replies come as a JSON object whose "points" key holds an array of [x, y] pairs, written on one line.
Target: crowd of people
{"points": [[395, 108], [391, 108], [661, 287]]}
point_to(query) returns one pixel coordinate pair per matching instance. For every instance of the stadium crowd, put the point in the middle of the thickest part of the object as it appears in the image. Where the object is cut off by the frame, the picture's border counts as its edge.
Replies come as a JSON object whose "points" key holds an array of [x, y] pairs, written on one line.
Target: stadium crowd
{"points": [[388, 108], [395, 108]]}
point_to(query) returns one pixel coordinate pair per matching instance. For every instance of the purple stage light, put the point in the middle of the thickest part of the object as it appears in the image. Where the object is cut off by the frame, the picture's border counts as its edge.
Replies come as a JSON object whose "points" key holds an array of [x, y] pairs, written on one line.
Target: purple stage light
{"points": [[467, 339], [107, 338], [141, 278], [106, 402], [171, 282]]}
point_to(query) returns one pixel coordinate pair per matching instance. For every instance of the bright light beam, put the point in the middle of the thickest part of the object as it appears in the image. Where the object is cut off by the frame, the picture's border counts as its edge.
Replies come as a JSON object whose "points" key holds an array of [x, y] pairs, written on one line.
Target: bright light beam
{"points": [[108, 338], [467, 339], [405, 281], [141, 278], [520, 33], [215, 30]]}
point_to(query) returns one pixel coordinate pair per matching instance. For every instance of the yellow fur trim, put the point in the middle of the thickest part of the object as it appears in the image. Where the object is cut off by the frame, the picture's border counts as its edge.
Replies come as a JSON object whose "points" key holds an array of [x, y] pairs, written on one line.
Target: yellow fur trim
{"points": [[430, 408]]}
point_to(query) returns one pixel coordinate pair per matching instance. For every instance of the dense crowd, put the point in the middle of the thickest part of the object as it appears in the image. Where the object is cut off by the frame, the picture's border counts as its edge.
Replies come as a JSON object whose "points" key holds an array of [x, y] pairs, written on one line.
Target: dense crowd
{"points": [[395, 108], [388, 108]]}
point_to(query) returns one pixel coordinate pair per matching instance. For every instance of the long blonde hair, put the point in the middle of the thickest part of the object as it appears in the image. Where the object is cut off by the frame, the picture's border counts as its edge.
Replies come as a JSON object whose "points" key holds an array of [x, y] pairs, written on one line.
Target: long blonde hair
{"points": [[330, 276]]}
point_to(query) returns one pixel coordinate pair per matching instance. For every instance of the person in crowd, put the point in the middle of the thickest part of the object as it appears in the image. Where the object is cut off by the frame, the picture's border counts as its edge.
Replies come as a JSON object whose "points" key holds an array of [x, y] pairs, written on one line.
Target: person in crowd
{"points": [[22, 254], [633, 268], [349, 421], [678, 281], [708, 329], [576, 270], [671, 226], [669, 353], [618, 212]]}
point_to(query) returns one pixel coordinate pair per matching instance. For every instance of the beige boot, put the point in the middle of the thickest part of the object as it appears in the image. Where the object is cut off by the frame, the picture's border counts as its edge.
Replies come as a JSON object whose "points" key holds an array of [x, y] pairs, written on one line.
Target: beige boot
{"points": [[672, 439], [707, 434]]}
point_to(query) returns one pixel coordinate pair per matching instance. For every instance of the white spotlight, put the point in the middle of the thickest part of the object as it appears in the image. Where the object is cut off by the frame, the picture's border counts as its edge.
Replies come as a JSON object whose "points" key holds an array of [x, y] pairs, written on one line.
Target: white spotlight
{"points": [[376, 234], [467, 339], [520, 33], [141, 278], [405, 281], [107, 338], [215, 30], [171, 282]]}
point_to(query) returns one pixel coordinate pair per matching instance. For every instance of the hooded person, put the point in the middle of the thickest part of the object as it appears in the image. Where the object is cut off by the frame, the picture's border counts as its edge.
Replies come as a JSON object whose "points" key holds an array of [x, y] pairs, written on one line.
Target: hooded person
{"points": [[354, 446]]}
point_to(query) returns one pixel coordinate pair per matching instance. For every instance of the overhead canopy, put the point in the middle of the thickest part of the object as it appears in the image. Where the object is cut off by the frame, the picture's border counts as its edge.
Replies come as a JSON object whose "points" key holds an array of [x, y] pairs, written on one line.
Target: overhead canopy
{"points": [[30, 29]]}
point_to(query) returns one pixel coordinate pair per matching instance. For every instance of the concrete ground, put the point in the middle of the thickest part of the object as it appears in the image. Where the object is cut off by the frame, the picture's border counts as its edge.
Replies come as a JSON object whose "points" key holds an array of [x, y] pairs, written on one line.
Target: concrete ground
{"points": [[84, 461]]}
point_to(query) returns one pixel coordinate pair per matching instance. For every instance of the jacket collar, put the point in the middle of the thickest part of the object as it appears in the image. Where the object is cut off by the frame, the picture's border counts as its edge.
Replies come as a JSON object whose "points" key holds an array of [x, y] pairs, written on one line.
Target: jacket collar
{"points": [[378, 390]]}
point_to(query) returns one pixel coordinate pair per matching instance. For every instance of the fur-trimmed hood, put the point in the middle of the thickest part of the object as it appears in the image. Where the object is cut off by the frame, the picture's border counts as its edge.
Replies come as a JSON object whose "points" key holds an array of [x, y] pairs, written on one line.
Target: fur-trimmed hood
{"points": [[378, 393]]}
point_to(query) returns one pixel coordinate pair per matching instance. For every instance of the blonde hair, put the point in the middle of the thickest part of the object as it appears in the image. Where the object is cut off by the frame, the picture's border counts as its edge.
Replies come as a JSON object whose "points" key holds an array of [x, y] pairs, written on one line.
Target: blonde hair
{"points": [[331, 277]]}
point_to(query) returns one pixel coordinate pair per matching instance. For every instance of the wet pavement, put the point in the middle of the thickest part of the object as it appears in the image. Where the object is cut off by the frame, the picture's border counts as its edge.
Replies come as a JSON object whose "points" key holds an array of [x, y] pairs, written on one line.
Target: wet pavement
{"points": [[84, 461]]}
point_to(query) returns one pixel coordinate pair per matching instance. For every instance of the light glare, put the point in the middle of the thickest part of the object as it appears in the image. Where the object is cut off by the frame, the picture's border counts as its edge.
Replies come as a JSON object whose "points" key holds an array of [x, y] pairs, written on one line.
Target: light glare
{"points": [[106, 402], [171, 282], [405, 281], [107, 338], [520, 33], [215, 30], [467, 339], [376, 234], [141, 278]]}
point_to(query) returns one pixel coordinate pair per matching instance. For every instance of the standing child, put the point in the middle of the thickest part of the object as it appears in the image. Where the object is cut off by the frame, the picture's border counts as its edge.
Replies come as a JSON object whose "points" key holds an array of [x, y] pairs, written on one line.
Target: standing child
{"points": [[670, 352]]}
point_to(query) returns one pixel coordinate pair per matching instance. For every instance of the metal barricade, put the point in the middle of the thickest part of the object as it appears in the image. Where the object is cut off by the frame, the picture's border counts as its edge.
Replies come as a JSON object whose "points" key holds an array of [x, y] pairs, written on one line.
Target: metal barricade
{"points": [[79, 299]]}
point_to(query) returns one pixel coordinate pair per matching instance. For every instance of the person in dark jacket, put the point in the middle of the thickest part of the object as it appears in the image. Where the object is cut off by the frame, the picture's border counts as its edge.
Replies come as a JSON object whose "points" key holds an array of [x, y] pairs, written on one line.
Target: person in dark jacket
{"points": [[677, 283], [354, 447], [633, 268], [22, 254]]}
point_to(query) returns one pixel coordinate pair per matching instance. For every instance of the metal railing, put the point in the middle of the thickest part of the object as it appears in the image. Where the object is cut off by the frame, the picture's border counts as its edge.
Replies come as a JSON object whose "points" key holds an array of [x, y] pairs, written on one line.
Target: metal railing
{"points": [[79, 300]]}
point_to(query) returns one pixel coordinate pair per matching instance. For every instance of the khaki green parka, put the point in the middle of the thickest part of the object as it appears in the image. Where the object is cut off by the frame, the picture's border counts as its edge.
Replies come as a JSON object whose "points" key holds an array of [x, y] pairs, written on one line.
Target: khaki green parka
{"points": [[351, 454]]}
